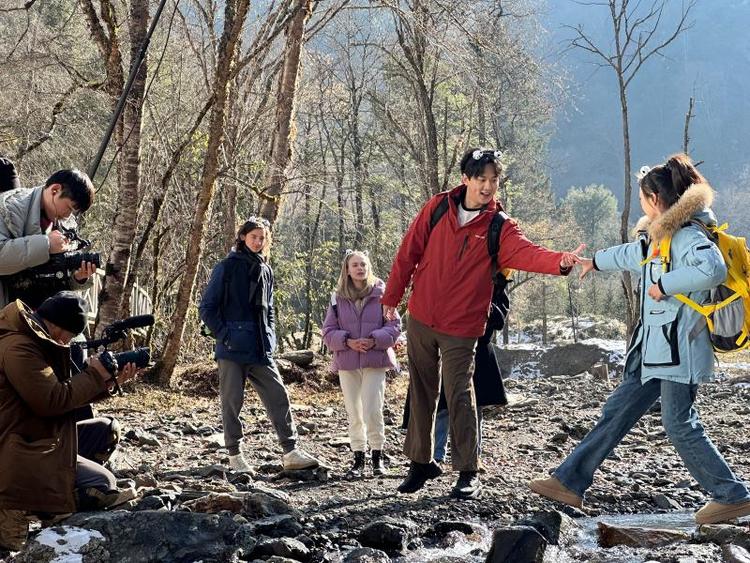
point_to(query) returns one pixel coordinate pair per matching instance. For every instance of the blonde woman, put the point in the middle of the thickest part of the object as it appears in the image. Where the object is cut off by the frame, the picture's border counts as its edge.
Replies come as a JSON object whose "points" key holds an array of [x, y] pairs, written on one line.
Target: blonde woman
{"points": [[362, 344]]}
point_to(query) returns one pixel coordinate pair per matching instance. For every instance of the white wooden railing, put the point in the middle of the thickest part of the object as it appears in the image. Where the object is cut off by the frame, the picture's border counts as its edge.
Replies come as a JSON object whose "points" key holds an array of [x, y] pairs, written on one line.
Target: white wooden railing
{"points": [[140, 302]]}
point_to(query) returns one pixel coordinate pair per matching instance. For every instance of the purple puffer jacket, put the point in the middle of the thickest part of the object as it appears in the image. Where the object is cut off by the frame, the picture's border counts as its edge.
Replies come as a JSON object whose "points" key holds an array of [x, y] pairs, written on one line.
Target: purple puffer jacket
{"points": [[348, 323]]}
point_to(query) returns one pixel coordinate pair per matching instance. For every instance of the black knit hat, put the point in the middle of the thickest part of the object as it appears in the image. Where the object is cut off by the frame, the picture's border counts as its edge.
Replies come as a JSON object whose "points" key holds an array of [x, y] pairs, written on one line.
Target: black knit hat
{"points": [[65, 309], [8, 176]]}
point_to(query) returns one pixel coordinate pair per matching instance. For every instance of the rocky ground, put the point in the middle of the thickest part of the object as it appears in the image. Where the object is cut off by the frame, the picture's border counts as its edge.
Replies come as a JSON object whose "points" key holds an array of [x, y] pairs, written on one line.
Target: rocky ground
{"points": [[173, 452]]}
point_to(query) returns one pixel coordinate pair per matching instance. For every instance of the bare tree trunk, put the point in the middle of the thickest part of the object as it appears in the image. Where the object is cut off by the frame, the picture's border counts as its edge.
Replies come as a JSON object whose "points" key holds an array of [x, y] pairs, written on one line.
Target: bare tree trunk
{"points": [[113, 300], [281, 145], [235, 13], [686, 134], [631, 307], [359, 214]]}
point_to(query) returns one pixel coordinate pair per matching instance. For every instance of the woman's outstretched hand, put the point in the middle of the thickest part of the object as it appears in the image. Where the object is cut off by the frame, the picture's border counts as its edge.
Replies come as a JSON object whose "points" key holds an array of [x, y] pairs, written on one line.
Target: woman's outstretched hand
{"points": [[587, 265]]}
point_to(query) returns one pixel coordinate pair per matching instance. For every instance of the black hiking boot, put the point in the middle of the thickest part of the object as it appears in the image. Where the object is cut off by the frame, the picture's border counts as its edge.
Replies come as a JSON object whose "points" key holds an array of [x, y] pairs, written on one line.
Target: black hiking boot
{"points": [[418, 475], [355, 472], [467, 486], [377, 463]]}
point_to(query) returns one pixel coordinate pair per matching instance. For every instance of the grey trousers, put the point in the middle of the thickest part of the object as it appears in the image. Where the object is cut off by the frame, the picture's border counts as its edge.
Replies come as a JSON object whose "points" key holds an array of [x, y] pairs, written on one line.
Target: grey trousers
{"points": [[267, 382]]}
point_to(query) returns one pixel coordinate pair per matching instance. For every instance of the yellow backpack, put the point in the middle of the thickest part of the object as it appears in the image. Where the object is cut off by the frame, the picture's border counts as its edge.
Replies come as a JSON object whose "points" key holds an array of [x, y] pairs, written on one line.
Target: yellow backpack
{"points": [[727, 311]]}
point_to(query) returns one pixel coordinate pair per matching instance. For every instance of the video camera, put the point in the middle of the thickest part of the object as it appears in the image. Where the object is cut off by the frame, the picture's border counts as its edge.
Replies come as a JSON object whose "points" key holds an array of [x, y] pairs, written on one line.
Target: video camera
{"points": [[118, 330], [34, 285]]}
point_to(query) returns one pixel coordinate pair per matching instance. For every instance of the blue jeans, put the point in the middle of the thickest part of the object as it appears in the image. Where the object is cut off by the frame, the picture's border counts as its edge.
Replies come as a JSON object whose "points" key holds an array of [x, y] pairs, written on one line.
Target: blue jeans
{"points": [[442, 427], [625, 406]]}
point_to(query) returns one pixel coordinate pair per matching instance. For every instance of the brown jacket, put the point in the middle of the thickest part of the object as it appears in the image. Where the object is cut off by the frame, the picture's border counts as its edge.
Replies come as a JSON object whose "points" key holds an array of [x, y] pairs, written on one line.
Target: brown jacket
{"points": [[38, 438]]}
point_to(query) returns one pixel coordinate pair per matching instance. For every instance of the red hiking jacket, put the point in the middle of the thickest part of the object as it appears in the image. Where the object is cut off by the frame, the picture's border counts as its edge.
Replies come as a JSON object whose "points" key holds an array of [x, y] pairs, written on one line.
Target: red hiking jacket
{"points": [[450, 268]]}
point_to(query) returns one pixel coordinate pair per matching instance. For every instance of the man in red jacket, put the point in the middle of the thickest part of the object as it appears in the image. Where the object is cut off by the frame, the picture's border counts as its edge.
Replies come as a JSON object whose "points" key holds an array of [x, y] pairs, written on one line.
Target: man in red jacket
{"points": [[451, 276]]}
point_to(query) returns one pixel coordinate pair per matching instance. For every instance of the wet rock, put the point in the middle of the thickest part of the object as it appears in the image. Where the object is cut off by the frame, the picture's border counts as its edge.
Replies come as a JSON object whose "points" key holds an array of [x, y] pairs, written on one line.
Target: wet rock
{"points": [[554, 526], [735, 554], [282, 547], [388, 534], [366, 555], [721, 534], [168, 537], [663, 501], [443, 528], [610, 536], [251, 504], [517, 543]]}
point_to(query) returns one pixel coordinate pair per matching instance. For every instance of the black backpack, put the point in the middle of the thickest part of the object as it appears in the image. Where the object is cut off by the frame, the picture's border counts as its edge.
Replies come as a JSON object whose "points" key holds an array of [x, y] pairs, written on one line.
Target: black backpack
{"points": [[500, 303]]}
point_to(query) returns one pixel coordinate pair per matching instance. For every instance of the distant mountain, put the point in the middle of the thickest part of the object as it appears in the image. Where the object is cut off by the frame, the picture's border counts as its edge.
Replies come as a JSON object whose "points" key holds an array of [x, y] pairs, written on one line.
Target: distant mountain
{"points": [[710, 61]]}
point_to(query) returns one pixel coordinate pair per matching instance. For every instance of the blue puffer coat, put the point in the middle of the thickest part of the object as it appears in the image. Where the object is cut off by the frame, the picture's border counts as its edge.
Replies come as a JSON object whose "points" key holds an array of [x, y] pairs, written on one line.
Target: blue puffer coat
{"points": [[671, 341], [237, 306]]}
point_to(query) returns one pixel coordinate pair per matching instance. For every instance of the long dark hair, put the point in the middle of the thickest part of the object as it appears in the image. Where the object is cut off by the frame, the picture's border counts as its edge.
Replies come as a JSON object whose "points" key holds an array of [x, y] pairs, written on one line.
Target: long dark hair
{"points": [[250, 225], [671, 179]]}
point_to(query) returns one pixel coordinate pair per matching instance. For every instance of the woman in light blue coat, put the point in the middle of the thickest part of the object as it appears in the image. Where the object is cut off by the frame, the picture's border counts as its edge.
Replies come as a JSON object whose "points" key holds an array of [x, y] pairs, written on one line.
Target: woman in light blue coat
{"points": [[670, 352]]}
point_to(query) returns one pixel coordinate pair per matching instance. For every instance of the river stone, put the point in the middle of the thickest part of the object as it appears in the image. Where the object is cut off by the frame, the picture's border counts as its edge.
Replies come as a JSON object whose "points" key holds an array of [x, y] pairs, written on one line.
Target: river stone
{"points": [[554, 526], [444, 527], [735, 554], [277, 526], [367, 555], [610, 536], [391, 535], [253, 505], [127, 537], [282, 547], [517, 543], [721, 534], [663, 501]]}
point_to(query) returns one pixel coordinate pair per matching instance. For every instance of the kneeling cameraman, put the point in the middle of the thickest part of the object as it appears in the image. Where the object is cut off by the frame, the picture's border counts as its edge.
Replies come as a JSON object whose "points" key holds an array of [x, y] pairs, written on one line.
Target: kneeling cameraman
{"points": [[48, 463]]}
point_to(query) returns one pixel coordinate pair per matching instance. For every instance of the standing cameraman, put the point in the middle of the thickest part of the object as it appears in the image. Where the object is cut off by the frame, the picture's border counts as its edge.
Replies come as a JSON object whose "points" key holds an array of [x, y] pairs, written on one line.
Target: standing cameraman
{"points": [[29, 218], [49, 464]]}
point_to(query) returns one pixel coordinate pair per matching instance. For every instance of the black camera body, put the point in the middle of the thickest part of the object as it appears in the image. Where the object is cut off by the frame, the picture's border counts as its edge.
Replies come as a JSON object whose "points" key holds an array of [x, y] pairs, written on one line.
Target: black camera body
{"points": [[113, 362], [34, 285]]}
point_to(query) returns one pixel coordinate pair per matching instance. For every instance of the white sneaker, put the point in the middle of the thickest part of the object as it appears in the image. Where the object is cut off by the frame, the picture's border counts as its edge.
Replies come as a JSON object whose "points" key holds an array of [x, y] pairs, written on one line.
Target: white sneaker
{"points": [[239, 463], [299, 459]]}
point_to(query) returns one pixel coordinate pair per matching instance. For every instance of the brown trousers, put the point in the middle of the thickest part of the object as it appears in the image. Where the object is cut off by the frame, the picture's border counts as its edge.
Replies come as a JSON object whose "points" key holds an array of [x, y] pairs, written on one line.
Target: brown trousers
{"points": [[427, 349]]}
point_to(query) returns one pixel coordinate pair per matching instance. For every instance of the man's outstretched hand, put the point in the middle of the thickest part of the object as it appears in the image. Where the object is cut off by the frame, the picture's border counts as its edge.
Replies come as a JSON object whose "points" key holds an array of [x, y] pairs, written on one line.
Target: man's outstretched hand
{"points": [[570, 259]]}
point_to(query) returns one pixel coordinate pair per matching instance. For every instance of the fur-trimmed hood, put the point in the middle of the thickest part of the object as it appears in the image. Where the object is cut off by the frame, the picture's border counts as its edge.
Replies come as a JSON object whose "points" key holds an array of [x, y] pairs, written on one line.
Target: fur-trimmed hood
{"points": [[694, 203]]}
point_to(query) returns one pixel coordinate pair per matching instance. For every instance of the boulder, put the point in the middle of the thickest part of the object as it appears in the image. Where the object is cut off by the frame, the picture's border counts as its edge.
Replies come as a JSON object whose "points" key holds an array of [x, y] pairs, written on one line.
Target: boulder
{"points": [[129, 537], [554, 526], [735, 554], [391, 535], [610, 536], [301, 358], [282, 547], [722, 534], [367, 555], [517, 543]]}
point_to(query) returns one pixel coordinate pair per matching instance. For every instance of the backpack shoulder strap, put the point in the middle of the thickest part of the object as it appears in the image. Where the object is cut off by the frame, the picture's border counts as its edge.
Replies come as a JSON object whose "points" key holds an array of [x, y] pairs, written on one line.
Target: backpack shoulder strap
{"points": [[334, 305], [439, 211], [493, 239]]}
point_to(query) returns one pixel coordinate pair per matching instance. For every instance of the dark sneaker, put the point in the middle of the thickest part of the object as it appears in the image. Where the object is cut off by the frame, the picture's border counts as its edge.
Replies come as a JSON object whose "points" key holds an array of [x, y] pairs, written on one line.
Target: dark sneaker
{"points": [[419, 474], [468, 485]]}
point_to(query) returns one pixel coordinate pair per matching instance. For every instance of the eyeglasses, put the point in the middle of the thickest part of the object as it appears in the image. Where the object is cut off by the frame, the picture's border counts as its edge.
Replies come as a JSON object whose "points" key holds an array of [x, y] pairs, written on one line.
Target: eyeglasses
{"points": [[479, 153]]}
